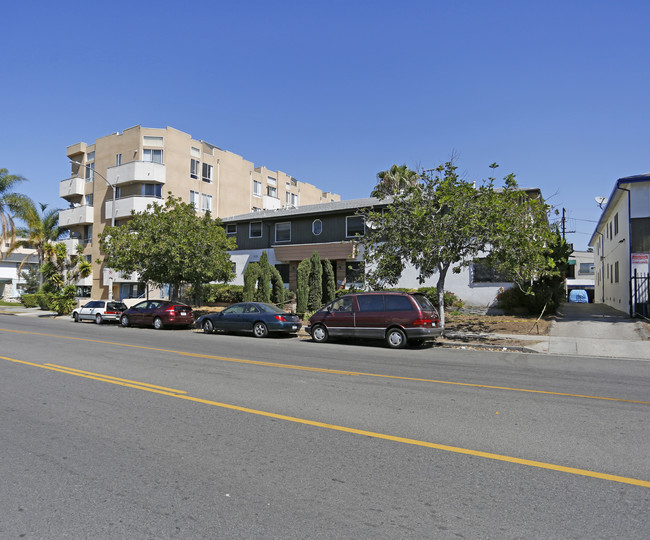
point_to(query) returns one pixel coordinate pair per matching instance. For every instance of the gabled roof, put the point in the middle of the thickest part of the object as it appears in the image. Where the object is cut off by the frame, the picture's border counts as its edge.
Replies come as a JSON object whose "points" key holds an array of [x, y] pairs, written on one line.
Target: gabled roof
{"points": [[311, 209]]}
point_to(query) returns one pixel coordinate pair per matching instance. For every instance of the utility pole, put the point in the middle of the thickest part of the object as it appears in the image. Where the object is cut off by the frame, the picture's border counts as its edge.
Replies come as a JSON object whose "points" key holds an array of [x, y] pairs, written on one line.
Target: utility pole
{"points": [[563, 223]]}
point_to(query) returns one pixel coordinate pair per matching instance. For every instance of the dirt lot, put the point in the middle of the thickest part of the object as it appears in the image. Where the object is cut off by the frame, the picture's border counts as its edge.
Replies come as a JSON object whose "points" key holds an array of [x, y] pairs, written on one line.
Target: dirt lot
{"points": [[497, 324]]}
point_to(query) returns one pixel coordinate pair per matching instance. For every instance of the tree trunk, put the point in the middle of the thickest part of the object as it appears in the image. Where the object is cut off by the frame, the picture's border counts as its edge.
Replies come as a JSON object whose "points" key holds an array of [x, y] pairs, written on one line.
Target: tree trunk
{"points": [[442, 274]]}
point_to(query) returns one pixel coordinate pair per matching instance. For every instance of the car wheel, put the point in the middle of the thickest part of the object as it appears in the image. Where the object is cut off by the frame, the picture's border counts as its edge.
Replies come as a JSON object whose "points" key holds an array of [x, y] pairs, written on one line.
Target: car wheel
{"points": [[208, 327], [76, 317], [98, 319], [319, 333], [260, 330], [124, 321], [157, 323], [396, 338]]}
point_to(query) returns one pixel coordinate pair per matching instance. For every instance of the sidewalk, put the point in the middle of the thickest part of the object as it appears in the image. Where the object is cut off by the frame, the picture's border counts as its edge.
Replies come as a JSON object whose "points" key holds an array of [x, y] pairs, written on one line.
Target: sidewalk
{"points": [[584, 330]]}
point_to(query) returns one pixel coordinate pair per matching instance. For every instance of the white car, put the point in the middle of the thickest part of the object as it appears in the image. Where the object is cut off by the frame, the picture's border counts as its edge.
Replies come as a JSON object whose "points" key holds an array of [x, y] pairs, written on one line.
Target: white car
{"points": [[99, 311]]}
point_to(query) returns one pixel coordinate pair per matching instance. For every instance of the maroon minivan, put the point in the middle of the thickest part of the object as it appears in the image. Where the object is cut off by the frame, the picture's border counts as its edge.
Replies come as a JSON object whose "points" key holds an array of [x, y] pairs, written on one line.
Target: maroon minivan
{"points": [[397, 318]]}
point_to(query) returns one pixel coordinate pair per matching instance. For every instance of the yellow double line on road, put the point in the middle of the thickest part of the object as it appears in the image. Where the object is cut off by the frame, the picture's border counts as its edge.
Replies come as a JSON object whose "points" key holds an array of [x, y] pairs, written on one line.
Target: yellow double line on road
{"points": [[180, 394], [332, 371]]}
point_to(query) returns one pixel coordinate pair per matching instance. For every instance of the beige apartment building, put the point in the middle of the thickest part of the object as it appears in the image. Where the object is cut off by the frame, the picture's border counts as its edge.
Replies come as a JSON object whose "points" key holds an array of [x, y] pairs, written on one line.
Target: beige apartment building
{"points": [[124, 172]]}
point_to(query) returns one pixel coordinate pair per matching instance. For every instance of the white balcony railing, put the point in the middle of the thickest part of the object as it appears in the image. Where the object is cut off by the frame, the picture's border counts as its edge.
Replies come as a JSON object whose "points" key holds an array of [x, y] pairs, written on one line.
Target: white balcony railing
{"points": [[71, 187], [123, 207], [271, 203], [135, 172], [79, 215]]}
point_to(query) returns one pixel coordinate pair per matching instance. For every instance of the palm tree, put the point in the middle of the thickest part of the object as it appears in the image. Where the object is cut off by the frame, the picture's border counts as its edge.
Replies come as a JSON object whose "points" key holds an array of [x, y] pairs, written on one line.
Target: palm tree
{"points": [[394, 180], [11, 203], [42, 228]]}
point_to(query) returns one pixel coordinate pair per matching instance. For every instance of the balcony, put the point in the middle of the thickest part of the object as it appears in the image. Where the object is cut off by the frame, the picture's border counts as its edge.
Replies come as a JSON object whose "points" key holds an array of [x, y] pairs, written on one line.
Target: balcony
{"points": [[72, 187], [79, 215], [124, 206], [118, 277], [271, 203], [137, 172]]}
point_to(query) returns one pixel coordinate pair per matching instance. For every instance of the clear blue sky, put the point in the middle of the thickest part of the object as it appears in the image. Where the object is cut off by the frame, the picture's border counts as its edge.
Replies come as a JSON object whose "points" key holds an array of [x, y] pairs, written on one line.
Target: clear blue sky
{"points": [[333, 92]]}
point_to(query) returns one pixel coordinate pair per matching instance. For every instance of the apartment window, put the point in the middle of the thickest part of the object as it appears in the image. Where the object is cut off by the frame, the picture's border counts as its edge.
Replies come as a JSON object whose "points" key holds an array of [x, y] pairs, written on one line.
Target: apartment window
{"points": [[152, 190], [294, 200], [586, 269], [285, 272], [89, 258], [206, 203], [151, 154], [616, 272], [354, 226], [271, 181], [272, 191], [194, 199], [257, 188], [90, 171], [483, 273], [89, 200], [288, 186], [616, 224], [90, 156], [317, 227], [255, 229], [194, 168], [354, 273], [283, 232], [118, 192], [118, 160], [288, 199], [640, 231], [256, 209], [196, 152], [207, 173], [231, 228]]}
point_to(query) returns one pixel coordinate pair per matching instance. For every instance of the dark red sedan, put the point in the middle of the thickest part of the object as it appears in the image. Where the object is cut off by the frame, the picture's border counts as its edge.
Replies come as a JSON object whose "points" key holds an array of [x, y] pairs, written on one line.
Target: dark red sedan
{"points": [[158, 313]]}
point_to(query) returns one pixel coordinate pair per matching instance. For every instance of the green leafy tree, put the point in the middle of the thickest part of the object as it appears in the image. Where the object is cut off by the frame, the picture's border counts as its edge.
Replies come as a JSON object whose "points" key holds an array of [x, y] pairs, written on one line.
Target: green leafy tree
{"points": [[302, 289], [170, 244], [315, 295], [263, 282], [394, 180], [11, 203], [32, 277], [42, 227], [61, 271], [444, 222], [329, 282]]}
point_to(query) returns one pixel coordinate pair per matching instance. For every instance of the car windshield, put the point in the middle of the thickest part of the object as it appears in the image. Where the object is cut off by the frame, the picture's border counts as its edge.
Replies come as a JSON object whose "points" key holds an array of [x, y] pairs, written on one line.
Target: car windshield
{"points": [[424, 303], [268, 308]]}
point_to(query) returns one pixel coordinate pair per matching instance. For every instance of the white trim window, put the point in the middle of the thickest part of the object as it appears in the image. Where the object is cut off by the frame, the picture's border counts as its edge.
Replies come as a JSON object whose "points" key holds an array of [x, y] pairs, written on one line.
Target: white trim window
{"points": [[283, 232], [195, 165], [231, 228], [271, 181], [206, 203], [207, 173], [194, 199], [118, 160], [257, 188], [354, 226], [272, 191], [255, 229], [294, 200], [152, 154], [316, 227]]}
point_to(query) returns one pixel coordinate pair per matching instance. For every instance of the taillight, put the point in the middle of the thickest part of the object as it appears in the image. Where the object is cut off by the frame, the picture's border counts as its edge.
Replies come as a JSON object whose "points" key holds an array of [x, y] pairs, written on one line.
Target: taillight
{"points": [[170, 310], [110, 312], [421, 322], [280, 318]]}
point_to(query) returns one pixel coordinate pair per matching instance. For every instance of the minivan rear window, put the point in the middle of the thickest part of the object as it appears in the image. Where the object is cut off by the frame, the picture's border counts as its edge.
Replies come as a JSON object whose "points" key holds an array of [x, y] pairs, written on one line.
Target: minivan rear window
{"points": [[398, 303], [371, 302], [424, 303]]}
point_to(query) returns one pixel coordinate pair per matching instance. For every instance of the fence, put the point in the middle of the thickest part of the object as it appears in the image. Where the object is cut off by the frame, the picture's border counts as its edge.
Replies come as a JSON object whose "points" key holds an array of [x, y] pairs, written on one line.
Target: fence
{"points": [[639, 286]]}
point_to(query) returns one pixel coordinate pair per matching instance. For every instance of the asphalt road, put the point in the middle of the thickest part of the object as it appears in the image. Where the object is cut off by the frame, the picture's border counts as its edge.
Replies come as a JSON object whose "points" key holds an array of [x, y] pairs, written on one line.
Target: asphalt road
{"points": [[134, 433]]}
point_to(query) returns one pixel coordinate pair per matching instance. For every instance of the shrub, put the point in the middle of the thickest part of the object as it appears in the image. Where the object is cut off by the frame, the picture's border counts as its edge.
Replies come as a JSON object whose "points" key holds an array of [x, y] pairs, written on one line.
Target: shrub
{"points": [[302, 292], [329, 282], [29, 300], [315, 299]]}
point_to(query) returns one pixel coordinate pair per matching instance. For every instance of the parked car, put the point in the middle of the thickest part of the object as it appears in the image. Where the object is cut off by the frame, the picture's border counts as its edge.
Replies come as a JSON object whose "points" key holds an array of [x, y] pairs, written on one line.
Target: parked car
{"points": [[397, 318], [99, 311], [579, 296], [256, 317], [158, 313]]}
